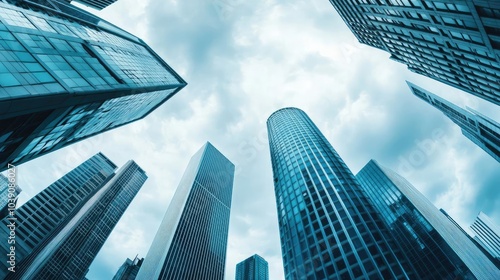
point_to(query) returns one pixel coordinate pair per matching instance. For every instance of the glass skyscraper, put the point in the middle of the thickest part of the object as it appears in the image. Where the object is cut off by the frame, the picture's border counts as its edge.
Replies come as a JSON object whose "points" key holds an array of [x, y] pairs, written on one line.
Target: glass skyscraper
{"points": [[253, 268], [481, 130], [61, 229], [456, 42], [487, 234], [66, 75], [129, 269], [191, 242], [328, 228], [437, 248]]}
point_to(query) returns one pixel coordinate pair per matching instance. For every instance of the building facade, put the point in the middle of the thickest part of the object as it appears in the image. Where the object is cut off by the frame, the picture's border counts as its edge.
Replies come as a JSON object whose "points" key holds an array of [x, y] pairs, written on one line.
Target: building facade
{"points": [[437, 248], [481, 130], [8, 194], [487, 234], [253, 268], [129, 269], [66, 75], [60, 231], [456, 42], [191, 242], [328, 228]]}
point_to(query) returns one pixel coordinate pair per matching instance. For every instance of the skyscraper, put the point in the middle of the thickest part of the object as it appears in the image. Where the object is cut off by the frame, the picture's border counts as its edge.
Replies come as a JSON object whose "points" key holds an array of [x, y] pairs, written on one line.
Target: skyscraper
{"points": [[191, 242], [455, 42], [253, 268], [436, 247], [60, 230], [487, 234], [66, 75], [129, 269], [328, 228], [481, 130], [8, 193]]}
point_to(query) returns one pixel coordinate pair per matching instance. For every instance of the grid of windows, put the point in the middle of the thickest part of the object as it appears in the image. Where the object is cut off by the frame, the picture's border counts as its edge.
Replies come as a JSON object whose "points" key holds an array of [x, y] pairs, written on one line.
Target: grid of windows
{"points": [[434, 245], [455, 42], [327, 226], [89, 229], [253, 268], [488, 234], [191, 242], [481, 130], [61, 54], [43, 215], [426, 249]]}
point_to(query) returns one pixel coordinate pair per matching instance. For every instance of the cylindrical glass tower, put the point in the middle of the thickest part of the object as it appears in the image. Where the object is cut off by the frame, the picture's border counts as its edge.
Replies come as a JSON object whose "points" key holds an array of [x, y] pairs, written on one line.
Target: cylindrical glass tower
{"points": [[328, 228]]}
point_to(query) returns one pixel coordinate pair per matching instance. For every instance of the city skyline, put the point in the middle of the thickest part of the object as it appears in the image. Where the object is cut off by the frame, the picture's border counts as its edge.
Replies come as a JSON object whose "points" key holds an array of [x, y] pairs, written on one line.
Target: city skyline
{"points": [[366, 100]]}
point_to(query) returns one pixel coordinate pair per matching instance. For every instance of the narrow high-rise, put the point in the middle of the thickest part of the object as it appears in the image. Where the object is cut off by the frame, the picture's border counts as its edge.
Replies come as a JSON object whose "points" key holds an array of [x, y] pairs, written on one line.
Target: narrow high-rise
{"points": [[436, 246], [66, 75], [487, 234], [481, 130], [129, 269], [191, 242], [455, 42], [253, 268], [328, 228], [60, 230]]}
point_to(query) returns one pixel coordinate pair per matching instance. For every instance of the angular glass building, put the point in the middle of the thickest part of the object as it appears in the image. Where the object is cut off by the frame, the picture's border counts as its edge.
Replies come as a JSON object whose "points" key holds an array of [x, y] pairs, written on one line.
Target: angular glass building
{"points": [[66, 75], [129, 269], [437, 248], [455, 42], [481, 130], [191, 242], [60, 230], [487, 234], [328, 228], [253, 268]]}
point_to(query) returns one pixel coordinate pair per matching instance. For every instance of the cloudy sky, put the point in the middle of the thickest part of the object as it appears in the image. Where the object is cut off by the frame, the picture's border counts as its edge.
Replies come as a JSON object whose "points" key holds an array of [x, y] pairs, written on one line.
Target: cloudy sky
{"points": [[243, 60]]}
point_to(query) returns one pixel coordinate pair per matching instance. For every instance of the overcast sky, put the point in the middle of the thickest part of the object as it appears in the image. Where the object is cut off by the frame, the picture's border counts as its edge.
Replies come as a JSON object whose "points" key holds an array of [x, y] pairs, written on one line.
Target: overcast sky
{"points": [[243, 60]]}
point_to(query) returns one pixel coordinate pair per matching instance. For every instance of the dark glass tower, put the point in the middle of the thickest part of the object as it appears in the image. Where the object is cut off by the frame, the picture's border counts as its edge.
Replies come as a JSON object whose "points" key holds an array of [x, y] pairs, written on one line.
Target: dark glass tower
{"points": [[456, 42], [253, 268], [481, 130], [66, 75], [328, 228], [129, 269], [60, 231], [191, 242], [437, 248]]}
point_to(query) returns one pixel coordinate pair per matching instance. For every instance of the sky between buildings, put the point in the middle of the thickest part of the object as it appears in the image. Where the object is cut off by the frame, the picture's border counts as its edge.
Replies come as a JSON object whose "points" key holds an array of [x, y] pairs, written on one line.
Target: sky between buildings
{"points": [[243, 60]]}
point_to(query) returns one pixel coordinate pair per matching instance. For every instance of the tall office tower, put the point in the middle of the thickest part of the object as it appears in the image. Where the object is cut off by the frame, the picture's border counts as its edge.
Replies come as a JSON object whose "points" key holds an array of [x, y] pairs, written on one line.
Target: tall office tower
{"points": [[481, 130], [96, 4], [8, 195], [328, 228], [129, 269], [191, 242], [487, 234], [66, 75], [253, 268], [436, 247], [60, 230], [455, 42]]}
